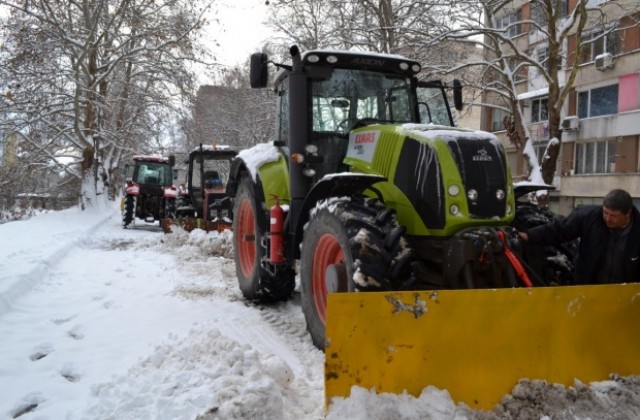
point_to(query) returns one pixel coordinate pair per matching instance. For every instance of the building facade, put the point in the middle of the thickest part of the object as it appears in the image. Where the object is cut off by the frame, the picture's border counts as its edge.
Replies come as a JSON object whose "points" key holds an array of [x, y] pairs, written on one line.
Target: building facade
{"points": [[600, 147]]}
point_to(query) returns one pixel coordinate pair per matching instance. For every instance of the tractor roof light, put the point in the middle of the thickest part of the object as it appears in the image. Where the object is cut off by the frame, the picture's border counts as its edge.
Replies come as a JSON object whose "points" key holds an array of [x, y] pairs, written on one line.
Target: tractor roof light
{"points": [[416, 68], [404, 66], [313, 58], [332, 59]]}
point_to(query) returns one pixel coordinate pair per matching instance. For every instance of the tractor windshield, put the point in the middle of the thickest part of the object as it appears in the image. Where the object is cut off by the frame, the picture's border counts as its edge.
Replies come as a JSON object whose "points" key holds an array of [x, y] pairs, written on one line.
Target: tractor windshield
{"points": [[153, 173], [215, 171], [349, 96]]}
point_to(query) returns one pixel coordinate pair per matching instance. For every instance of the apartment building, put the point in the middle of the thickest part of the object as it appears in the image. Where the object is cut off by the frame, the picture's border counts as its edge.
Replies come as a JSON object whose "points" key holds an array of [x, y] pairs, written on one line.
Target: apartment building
{"points": [[600, 147]]}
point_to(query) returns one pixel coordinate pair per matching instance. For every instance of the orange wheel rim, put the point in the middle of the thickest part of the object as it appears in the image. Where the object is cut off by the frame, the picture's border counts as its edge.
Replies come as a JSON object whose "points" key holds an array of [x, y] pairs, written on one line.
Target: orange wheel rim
{"points": [[327, 252], [246, 238]]}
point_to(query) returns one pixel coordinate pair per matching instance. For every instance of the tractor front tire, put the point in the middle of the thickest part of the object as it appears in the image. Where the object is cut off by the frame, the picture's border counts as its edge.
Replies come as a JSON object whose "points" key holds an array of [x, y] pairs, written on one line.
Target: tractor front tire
{"points": [[249, 235], [349, 245], [128, 211]]}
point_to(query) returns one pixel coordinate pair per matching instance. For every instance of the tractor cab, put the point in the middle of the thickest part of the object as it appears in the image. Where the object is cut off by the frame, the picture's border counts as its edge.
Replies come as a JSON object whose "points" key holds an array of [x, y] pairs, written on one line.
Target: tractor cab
{"points": [[204, 203], [208, 175]]}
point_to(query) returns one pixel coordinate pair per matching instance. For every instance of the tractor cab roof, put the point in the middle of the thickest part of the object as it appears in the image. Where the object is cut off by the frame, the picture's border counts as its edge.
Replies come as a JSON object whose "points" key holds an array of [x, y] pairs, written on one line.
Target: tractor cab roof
{"points": [[151, 158], [357, 60], [362, 61]]}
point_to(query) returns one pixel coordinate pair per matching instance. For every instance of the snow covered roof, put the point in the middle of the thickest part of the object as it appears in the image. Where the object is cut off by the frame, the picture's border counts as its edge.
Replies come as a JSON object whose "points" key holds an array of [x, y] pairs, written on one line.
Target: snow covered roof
{"points": [[151, 158], [210, 147]]}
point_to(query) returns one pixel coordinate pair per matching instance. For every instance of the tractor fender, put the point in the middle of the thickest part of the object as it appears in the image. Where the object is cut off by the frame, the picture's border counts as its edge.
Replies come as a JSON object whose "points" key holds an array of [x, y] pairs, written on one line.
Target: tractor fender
{"points": [[238, 167], [237, 171], [334, 185]]}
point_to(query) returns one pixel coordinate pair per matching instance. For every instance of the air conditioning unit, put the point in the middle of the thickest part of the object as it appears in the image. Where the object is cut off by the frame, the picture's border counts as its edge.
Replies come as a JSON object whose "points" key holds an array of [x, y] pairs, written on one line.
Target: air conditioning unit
{"points": [[604, 62], [570, 123]]}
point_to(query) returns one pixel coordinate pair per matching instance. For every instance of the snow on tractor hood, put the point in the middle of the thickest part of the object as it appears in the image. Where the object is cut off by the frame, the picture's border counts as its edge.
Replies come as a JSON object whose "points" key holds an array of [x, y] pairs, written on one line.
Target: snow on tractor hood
{"points": [[432, 132]]}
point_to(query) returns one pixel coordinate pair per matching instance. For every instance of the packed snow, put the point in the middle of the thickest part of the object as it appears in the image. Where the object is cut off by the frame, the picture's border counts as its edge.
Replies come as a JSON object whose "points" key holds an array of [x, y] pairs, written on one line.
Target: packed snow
{"points": [[100, 322]]}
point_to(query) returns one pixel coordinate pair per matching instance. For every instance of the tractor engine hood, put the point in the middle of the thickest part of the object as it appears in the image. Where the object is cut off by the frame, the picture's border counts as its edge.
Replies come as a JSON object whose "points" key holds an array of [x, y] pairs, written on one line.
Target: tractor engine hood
{"points": [[450, 177]]}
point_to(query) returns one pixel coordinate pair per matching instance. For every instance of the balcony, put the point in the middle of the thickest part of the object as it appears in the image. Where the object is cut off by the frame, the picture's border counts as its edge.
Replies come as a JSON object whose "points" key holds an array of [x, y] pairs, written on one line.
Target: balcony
{"points": [[605, 127]]}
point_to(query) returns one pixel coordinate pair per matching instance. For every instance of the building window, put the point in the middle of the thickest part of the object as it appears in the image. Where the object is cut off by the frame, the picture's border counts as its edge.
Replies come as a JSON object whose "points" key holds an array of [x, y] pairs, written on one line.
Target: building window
{"points": [[540, 153], [599, 42], [543, 58], [538, 16], [597, 102], [596, 157], [510, 23], [539, 111], [497, 117], [517, 68]]}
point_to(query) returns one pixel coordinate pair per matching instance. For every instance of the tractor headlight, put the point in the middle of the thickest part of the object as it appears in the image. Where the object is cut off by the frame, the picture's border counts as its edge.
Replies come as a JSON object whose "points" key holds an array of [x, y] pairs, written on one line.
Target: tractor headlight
{"points": [[310, 172], [454, 209], [508, 208], [311, 149], [500, 195], [472, 194], [453, 190]]}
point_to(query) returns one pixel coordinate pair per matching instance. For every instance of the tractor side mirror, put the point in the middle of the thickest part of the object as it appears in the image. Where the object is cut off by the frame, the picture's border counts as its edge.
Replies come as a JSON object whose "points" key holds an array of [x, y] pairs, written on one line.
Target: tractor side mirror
{"points": [[126, 169], [258, 72], [457, 94], [172, 160]]}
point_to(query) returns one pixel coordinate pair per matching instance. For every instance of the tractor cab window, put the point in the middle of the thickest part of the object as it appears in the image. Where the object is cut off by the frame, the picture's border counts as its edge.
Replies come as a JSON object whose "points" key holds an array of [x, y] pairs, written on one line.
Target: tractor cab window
{"points": [[433, 105], [282, 128], [152, 173], [215, 172], [349, 96]]}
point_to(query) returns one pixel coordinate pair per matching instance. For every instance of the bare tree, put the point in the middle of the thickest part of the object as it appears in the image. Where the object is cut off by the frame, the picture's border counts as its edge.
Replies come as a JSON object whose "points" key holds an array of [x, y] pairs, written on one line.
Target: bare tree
{"points": [[512, 67], [96, 80], [385, 26]]}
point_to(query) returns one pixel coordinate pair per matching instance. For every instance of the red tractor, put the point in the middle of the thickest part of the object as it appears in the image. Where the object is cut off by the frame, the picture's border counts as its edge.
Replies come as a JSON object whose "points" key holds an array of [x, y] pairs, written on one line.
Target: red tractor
{"points": [[149, 192]]}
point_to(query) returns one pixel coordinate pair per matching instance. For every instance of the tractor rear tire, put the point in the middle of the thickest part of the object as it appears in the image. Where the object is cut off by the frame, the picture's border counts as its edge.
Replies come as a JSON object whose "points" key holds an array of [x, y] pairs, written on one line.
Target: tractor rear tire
{"points": [[249, 235], [128, 212], [349, 245]]}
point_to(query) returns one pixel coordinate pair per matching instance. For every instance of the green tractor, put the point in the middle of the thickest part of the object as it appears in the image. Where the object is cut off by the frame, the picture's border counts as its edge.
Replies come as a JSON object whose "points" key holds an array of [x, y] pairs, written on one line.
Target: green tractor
{"points": [[369, 186]]}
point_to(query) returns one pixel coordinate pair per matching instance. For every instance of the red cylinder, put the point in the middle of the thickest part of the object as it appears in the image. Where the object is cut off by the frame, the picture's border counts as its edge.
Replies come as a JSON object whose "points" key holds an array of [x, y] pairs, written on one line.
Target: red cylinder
{"points": [[276, 234]]}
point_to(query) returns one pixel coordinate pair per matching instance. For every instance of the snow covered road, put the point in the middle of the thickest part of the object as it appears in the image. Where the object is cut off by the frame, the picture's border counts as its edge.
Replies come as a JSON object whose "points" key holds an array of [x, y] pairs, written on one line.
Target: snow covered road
{"points": [[97, 322], [133, 324]]}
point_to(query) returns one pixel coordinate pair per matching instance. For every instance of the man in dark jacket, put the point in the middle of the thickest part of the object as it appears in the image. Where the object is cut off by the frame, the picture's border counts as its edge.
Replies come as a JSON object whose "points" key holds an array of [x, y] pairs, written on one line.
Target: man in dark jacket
{"points": [[609, 239]]}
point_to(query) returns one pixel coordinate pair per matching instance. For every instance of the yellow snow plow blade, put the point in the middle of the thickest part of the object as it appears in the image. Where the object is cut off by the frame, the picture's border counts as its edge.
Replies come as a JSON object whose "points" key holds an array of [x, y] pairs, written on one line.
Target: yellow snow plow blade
{"points": [[477, 344]]}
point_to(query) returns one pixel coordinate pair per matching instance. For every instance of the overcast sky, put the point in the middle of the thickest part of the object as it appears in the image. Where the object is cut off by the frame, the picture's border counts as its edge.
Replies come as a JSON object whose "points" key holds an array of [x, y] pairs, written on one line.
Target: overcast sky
{"points": [[243, 31]]}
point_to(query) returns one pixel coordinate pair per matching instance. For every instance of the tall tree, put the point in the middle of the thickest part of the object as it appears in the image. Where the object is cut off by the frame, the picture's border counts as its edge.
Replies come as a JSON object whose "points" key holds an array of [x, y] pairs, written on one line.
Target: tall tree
{"points": [[97, 79], [515, 64]]}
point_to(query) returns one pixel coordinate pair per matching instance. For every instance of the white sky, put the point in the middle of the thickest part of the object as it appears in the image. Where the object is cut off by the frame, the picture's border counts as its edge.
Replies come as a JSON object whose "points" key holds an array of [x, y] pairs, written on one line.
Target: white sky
{"points": [[243, 29]]}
